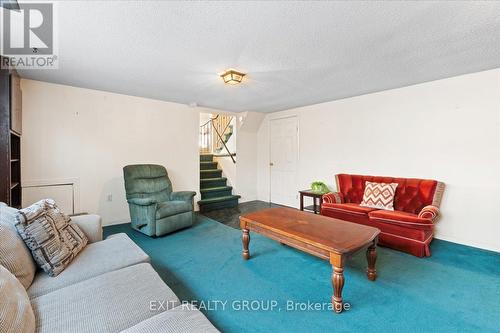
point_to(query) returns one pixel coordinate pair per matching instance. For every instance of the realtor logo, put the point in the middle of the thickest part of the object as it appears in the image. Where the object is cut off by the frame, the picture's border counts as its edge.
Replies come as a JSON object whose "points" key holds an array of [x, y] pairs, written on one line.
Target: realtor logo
{"points": [[28, 39]]}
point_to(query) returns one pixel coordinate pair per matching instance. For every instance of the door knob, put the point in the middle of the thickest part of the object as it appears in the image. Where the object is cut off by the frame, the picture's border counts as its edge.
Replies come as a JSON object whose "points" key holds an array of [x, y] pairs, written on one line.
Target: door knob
{"points": [[271, 164]]}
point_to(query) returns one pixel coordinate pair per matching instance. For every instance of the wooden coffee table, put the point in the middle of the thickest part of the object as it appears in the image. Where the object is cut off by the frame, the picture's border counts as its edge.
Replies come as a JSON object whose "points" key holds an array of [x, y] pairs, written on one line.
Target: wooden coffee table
{"points": [[325, 237]]}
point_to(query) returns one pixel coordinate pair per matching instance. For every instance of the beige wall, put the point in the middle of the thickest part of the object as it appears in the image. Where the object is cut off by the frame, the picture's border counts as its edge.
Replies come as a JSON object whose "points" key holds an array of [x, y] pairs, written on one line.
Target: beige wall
{"points": [[247, 149], [87, 135], [447, 130]]}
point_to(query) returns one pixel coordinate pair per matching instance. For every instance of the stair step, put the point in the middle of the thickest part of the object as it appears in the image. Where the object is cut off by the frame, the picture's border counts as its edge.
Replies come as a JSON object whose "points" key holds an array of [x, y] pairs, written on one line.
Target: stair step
{"points": [[212, 182], [211, 173], [214, 192], [206, 157], [219, 199], [208, 165], [218, 203], [216, 189]]}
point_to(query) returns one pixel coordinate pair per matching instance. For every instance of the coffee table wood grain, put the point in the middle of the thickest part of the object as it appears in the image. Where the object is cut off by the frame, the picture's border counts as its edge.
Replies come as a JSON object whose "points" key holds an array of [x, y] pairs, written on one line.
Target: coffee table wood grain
{"points": [[328, 238]]}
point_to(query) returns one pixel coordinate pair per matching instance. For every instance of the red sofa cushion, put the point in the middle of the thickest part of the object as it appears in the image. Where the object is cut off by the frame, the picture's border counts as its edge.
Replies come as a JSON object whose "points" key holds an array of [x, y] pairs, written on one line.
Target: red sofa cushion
{"points": [[411, 194], [403, 219], [347, 208], [400, 230]]}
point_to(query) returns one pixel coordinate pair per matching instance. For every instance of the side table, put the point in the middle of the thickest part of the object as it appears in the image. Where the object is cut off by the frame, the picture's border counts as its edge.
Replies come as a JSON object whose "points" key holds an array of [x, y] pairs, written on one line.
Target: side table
{"points": [[315, 207]]}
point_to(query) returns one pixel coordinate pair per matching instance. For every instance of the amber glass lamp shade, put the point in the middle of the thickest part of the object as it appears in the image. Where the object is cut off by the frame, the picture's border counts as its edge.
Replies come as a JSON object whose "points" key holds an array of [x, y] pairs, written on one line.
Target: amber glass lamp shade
{"points": [[232, 77]]}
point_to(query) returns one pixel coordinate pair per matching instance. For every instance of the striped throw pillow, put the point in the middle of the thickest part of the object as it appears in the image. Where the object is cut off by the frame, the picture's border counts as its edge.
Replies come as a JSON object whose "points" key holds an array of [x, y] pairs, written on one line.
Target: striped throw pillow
{"points": [[379, 195]]}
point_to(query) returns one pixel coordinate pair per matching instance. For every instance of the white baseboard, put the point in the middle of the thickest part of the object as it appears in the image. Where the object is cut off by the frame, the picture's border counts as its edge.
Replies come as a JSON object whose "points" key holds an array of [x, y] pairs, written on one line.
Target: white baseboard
{"points": [[469, 243], [115, 222]]}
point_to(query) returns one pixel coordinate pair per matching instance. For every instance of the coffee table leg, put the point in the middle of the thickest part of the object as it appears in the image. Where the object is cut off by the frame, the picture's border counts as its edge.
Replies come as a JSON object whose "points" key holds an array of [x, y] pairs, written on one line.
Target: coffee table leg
{"points": [[371, 257], [337, 281], [246, 240]]}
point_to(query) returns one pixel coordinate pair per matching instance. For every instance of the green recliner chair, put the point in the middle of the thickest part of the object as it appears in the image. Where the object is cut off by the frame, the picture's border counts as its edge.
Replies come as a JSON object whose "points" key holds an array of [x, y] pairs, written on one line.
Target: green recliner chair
{"points": [[154, 209]]}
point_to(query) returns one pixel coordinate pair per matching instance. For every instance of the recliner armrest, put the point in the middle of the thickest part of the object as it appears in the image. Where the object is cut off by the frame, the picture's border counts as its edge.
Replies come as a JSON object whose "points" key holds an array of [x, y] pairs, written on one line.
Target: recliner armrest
{"points": [[333, 197], [182, 195], [142, 201], [429, 212]]}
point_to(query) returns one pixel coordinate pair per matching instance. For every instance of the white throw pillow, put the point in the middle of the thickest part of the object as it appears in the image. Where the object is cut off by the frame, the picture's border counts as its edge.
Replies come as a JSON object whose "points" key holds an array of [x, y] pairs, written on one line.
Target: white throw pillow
{"points": [[379, 195], [16, 313], [14, 255]]}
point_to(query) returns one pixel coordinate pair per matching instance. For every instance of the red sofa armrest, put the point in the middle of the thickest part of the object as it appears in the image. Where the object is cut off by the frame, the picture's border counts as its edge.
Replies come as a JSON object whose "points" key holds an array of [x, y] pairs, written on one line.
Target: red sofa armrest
{"points": [[429, 212], [333, 197]]}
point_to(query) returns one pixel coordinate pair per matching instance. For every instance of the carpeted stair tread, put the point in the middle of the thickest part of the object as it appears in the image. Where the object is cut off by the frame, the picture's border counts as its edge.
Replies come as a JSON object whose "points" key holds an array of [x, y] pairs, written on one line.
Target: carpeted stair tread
{"points": [[207, 174], [218, 199], [206, 157], [208, 165], [213, 179], [206, 182], [216, 189]]}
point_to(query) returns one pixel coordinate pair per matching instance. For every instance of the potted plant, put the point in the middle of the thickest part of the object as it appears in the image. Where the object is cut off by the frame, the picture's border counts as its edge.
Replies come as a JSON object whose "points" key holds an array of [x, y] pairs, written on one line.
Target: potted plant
{"points": [[319, 187]]}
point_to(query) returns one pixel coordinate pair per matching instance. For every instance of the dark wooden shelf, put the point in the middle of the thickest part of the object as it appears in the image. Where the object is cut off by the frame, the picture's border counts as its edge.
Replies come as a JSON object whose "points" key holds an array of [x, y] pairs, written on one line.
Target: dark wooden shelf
{"points": [[10, 138], [15, 133], [311, 208]]}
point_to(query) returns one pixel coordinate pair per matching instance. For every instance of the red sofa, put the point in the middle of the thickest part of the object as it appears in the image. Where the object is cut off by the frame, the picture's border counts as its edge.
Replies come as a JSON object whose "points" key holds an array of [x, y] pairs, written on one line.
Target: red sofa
{"points": [[409, 228]]}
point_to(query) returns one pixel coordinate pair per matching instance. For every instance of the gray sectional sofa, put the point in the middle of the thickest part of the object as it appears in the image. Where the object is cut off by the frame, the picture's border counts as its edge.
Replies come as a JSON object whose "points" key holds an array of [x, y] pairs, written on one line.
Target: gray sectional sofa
{"points": [[110, 287]]}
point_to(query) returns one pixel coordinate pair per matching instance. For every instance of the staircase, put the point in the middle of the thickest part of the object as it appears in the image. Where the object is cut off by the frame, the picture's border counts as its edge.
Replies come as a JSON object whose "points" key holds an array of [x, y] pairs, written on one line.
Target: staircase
{"points": [[215, 194]]}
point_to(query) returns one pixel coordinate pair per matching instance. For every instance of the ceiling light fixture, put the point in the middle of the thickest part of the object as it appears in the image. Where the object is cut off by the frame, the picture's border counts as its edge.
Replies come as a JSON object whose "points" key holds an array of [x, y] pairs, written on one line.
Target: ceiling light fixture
{"points": [[231, 76]]}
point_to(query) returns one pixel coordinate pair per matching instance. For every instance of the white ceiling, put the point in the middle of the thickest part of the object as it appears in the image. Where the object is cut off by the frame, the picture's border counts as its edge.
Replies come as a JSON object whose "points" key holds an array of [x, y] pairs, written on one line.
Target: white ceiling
{"points": [[295, 53]]}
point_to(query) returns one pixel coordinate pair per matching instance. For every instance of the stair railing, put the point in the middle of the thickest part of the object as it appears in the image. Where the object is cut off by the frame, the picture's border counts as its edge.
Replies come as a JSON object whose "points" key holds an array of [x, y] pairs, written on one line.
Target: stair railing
{"points": [[211, 135], [205, 137], [220, 123]]}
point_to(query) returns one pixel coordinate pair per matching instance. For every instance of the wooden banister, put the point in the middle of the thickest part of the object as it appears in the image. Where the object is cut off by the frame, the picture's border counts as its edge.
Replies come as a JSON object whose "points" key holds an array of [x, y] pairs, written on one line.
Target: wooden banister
{"points": [[212, 135]]}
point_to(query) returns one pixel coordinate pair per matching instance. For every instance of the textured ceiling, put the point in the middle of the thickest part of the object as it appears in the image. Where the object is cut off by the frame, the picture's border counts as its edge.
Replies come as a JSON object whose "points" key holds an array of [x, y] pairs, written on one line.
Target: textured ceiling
{"points": [[295, 53]]}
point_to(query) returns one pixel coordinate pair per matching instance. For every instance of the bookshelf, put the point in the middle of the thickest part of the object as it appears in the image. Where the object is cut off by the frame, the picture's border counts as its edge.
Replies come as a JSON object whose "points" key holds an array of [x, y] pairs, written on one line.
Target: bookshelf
{"points": [[15, 170], [10, 138]]}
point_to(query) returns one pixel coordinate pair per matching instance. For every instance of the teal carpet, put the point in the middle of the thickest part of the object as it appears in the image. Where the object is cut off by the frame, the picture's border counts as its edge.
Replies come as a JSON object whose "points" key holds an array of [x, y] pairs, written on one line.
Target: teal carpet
{"points": [[455, 290]]}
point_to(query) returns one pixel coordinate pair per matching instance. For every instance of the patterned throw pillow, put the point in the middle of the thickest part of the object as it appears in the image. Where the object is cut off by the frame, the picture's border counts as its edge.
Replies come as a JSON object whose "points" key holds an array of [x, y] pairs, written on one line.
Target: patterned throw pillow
{"points": [[16, 313], [379, 195], [53, 240]]}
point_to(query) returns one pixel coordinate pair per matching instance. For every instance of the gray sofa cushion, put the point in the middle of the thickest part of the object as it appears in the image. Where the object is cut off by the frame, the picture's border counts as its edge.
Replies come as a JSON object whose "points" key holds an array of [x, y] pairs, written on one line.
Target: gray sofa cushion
{"points": [[95, 259], [14, 255], [181, 319], [110, 302], [16, 314]]}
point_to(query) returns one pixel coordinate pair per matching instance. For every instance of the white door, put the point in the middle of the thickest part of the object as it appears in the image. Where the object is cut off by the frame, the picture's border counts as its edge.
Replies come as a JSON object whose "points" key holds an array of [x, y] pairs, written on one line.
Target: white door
{"points": [[283, 161]]}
